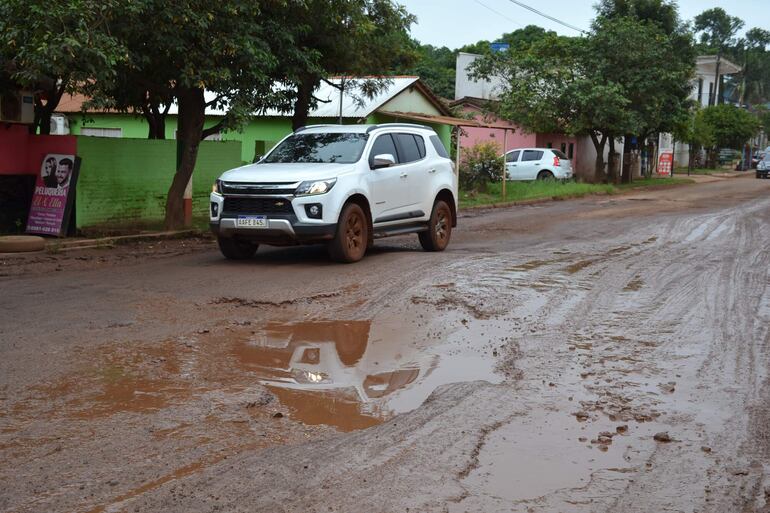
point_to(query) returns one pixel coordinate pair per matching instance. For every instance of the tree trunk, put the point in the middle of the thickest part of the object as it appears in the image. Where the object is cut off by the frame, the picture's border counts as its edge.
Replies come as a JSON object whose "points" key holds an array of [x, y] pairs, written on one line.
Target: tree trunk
{"points": [[599, 175], [192, 114], [156, 121], [44, 111], [307, 85], [612, 175]]}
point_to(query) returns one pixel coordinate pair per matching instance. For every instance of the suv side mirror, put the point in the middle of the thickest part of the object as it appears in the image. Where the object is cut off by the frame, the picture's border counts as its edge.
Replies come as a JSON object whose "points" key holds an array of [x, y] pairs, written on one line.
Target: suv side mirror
{"points": [[383, 160]]}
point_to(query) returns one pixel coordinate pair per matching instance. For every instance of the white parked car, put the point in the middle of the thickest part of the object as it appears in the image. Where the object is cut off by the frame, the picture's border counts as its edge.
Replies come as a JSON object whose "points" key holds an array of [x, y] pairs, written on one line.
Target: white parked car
{"points": [[537, 164], [343, 185]]}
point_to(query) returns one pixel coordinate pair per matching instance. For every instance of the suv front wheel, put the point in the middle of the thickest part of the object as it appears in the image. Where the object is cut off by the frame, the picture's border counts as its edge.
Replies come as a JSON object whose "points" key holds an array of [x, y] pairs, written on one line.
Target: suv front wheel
{"points": [[352, 236], [439, 228]]}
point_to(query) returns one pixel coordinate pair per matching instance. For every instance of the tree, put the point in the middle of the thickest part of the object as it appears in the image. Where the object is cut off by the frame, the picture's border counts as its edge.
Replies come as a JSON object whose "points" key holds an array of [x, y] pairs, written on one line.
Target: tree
{"points": [[695, 131], [58, 47], [224, 54], [659, 99], [756, 66], [731, 126], [717, 30], [618, 80], [343, 38]]}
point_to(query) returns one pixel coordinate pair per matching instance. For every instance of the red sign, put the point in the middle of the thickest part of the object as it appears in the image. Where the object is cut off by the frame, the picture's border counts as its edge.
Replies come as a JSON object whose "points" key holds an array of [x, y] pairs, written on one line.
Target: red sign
{"points": [[665, 164], [54, 195]]}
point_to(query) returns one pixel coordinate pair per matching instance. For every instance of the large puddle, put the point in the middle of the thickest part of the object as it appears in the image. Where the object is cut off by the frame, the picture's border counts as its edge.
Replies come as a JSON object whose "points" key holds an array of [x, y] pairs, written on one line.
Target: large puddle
{"points": [[351, 376], [346, 374]]}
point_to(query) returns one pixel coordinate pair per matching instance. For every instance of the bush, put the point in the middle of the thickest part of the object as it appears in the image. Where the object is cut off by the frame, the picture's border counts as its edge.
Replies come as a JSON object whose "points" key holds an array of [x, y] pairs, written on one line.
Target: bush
{"points": [[481, 165]]}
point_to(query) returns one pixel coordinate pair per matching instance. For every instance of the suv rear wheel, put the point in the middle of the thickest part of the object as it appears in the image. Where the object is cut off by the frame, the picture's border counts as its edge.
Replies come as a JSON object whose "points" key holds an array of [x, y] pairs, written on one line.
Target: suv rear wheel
{"points": [[439, 228], [235, 249], [545, 175], [350, 241]]}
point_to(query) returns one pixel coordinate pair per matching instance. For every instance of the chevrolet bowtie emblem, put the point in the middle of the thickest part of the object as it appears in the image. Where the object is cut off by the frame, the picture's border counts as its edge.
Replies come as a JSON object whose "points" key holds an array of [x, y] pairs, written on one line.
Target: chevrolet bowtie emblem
{"points": [[279, 203]]}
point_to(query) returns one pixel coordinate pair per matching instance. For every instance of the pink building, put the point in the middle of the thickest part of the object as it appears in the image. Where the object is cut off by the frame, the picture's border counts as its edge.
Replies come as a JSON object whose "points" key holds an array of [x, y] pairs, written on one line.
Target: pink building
{"points": [[506, 134]]}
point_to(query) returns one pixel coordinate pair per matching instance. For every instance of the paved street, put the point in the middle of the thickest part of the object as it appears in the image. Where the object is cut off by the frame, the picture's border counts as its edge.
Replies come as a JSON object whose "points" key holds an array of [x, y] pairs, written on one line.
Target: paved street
{"points": [[528, 368]]}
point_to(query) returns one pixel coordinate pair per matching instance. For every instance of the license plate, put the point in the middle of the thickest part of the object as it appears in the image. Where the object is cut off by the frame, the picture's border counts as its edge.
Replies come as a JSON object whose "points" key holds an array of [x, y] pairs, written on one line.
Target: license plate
{"points": [[252, 222]]}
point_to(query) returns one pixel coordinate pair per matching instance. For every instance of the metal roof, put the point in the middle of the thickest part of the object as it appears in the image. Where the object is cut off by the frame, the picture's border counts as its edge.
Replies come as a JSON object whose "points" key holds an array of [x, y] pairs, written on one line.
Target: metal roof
{"points": [[355, 104]]}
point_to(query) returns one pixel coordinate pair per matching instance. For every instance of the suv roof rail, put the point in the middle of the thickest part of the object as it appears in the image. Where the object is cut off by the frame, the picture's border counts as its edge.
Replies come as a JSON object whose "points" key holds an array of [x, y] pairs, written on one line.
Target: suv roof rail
{"points": [[399, 125], [300, 129]]}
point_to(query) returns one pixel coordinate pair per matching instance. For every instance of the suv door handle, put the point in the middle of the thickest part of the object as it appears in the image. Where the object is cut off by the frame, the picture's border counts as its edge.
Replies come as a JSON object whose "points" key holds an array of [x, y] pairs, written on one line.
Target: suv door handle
{"points": [[403, 175], [432, 171]]}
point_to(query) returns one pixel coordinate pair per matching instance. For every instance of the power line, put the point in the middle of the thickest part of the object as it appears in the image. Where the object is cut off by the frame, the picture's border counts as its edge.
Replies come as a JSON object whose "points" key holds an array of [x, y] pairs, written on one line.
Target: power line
{"points": [[499, 13], [544, 15]]}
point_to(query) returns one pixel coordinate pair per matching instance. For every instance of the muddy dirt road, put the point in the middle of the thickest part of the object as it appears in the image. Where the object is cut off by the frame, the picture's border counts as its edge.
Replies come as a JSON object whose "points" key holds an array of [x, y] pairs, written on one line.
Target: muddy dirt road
{"points": [[609, 354]]}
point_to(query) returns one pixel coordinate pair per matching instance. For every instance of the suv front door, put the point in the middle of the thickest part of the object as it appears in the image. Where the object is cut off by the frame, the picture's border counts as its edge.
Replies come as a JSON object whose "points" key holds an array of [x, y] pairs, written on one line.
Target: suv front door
{"points": [[388, 185]]}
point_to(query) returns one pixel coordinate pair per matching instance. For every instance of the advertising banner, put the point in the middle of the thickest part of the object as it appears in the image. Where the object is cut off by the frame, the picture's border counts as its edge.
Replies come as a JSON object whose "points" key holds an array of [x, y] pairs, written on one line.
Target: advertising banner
{"points": [[665, 164], [54, 195]]}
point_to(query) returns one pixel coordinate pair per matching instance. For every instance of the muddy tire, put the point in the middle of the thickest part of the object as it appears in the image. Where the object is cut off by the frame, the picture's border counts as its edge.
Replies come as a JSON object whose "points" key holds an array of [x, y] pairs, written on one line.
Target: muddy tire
{"points": [[439, 228], [234, 249], [545, 175], [21, 243], [352, 236]]}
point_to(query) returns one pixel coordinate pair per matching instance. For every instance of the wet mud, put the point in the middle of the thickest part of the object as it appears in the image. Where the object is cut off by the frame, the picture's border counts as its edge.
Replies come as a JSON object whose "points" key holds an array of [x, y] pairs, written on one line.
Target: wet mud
{"points": [[582, 366]]}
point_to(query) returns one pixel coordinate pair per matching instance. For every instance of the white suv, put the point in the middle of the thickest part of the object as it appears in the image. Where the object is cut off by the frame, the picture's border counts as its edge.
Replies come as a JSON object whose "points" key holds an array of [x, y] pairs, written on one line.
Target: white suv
{"points": [[344, 185], [537, 164]]}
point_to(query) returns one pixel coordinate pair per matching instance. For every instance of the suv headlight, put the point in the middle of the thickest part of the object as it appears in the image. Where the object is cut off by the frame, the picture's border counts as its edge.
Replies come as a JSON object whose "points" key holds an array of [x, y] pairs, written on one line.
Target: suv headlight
{"points": [[313, 187], [217, 187]]}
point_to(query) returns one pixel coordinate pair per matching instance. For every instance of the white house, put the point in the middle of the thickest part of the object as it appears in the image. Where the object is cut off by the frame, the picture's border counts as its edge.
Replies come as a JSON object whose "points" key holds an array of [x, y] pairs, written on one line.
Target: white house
{"points": [[706, 85], [705, 91]]}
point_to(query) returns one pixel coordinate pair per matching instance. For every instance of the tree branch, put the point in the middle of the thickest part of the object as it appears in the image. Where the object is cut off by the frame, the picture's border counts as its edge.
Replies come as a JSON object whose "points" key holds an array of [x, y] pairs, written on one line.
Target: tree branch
{"points": [[213, 129]]}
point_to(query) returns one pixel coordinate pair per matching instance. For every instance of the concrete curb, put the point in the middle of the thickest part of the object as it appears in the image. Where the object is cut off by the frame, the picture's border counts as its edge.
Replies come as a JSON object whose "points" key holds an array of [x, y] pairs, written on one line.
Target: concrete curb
{"points": [[118, 239]]}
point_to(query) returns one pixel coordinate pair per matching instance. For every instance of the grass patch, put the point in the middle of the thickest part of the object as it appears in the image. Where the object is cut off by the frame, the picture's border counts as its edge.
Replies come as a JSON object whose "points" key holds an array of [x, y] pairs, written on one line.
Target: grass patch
{"points": [[521, 191]]}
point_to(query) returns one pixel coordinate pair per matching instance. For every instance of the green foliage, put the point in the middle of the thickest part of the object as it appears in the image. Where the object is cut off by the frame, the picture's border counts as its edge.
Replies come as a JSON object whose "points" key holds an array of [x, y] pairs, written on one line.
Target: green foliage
{"points": [[437, 65], [480, 165], [57, 47], [628, 76], [350, 38], [717, 28], [731, 126]]}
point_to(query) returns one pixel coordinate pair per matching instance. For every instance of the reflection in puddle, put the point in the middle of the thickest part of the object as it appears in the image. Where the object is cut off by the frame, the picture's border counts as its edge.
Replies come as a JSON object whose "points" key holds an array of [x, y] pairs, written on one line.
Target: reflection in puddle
{"points": [[341, 374]]}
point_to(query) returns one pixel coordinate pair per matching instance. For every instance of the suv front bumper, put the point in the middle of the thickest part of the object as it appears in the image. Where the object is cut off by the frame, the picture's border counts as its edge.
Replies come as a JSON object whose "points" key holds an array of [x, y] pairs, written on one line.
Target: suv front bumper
{"points": [[281, 230]]}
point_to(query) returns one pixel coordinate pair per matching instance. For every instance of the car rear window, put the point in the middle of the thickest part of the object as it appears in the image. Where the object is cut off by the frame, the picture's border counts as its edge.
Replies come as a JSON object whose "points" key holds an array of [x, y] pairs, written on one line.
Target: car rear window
{"points": [[407, 146], [530, 155], [560, 154], [420, 145], [439, 146]]}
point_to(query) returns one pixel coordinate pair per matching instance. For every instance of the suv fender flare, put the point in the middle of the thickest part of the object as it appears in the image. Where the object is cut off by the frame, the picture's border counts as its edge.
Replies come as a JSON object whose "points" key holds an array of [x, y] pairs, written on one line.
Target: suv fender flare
{"points": [[445, 194]]}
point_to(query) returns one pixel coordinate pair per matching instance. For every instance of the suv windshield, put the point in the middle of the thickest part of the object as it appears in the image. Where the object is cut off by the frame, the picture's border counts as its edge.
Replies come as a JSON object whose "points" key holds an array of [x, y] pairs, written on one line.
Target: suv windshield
{"points": [[329, 148]]}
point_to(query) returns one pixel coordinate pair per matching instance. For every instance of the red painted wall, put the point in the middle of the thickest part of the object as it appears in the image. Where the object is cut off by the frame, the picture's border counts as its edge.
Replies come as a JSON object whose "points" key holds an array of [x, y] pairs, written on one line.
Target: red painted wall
{"points": [[22, 153]]}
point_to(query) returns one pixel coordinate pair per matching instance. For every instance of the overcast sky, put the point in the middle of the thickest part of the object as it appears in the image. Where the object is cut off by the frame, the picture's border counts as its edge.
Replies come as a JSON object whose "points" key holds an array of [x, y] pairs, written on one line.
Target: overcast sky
{"points": [[454, 23]]}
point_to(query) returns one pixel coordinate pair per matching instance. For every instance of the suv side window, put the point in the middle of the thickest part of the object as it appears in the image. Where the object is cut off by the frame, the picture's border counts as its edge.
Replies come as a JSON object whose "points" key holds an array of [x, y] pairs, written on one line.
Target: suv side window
{"points": [[530, 155], [420, 145], [407, 147], [513, 156], [439, 146], [383, 144]]}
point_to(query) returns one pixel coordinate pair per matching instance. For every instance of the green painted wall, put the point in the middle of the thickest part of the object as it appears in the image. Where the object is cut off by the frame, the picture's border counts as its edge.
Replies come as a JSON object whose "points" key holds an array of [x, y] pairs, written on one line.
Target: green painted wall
{"points": [[126, 180]]}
